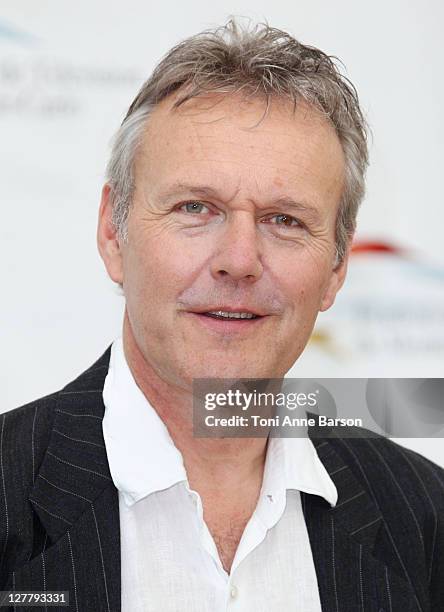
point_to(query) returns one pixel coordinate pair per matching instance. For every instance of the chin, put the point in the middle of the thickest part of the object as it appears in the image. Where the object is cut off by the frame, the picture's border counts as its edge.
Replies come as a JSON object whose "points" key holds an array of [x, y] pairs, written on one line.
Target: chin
{"points": [[232, 371]]}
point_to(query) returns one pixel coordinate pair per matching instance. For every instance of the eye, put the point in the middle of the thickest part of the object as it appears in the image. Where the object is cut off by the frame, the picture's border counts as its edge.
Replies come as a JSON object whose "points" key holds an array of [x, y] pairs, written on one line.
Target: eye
{"points": [[194, 207], [285, 220]]}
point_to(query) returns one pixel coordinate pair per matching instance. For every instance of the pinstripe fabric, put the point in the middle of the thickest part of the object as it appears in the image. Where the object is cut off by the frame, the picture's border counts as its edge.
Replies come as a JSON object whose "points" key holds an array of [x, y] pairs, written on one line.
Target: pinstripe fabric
{"points": [[380, 549]]}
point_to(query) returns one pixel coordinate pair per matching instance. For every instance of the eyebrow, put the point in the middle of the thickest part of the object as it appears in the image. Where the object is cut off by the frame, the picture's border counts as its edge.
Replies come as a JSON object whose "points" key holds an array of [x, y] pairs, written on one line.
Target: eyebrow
{"points": [[206, 191]]}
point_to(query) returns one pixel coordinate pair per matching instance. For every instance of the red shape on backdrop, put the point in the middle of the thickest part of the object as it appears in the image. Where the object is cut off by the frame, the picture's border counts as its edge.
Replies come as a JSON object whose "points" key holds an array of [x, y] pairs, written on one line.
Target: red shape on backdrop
{"points": [[375, 246]]}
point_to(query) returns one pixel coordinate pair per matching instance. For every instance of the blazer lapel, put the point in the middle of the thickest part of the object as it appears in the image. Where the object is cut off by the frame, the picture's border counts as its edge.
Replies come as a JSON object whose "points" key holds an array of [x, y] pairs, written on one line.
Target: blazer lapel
{"points": [[77, 504], [349, 546]]}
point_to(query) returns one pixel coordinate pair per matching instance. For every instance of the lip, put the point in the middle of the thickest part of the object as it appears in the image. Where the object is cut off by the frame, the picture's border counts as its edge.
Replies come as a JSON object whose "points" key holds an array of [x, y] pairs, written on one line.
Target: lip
{"points": [[221, 326], [223, 308]]}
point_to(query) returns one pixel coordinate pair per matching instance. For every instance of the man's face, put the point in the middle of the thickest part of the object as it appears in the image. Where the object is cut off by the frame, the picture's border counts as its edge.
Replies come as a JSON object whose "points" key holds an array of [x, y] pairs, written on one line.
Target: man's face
{"points": [[230, 214]]}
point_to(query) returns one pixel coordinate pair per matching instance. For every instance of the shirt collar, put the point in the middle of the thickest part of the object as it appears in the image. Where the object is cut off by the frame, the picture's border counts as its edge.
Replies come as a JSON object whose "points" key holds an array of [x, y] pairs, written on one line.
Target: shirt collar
{"points": [[143, 458], [303, 470], [141, 454]]}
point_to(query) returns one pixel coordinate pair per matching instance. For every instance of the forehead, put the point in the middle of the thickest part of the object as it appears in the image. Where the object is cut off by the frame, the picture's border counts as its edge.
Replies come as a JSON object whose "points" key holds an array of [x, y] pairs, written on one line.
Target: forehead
{"points": [[239, 143]]}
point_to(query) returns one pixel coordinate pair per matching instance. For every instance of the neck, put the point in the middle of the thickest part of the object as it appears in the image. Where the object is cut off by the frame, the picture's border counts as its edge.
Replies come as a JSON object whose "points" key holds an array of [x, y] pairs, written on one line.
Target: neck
{"points": [[229, 462]]}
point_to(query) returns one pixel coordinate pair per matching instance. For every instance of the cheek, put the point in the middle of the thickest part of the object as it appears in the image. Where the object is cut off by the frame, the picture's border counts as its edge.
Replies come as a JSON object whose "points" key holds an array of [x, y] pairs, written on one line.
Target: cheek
{"points": [[302, 280], [155, 272]]}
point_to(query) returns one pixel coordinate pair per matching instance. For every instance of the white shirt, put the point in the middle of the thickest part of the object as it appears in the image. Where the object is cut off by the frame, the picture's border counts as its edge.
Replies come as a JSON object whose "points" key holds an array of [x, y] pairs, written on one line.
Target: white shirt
{"points": [[169, 561]]}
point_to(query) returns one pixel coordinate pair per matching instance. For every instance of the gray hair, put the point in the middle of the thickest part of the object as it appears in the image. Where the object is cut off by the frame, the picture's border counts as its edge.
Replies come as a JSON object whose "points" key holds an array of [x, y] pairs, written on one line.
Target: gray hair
{"points": [[260, 61]]}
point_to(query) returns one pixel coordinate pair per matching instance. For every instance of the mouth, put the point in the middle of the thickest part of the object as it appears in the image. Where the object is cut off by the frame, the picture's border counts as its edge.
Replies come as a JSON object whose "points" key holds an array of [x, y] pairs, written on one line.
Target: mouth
{"points": [[226, 315], [227, 320]]}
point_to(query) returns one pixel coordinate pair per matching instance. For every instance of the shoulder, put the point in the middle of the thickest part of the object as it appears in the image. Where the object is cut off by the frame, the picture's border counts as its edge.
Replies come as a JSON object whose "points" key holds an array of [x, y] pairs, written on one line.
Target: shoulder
{"points": [[22, 416], [408, 490], [25, 431], [396, 477], [27, 434], [24, 438]]}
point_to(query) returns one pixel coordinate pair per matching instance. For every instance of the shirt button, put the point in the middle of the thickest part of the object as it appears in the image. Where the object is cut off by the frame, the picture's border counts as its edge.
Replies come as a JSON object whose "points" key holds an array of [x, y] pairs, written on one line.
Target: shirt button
{"points": [[233, 592]]}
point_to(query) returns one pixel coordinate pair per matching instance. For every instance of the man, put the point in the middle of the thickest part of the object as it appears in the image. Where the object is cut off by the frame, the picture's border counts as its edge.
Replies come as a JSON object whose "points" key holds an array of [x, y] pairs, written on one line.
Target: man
{"points": [[227, 217]]}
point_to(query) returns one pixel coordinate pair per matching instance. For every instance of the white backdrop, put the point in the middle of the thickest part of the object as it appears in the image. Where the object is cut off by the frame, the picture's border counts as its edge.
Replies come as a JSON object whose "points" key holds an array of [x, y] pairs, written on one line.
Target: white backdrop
{"points": [[68, 71]]}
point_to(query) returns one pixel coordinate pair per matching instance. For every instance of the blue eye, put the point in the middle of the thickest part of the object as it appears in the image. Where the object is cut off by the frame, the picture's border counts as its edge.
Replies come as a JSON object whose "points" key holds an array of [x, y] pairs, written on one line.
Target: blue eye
{"points": [[194, 207]]}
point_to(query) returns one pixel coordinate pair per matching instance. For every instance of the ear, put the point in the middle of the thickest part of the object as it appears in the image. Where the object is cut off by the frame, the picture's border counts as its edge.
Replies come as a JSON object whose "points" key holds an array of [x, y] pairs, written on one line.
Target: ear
{"points": [[335, 282], [107, 239]]}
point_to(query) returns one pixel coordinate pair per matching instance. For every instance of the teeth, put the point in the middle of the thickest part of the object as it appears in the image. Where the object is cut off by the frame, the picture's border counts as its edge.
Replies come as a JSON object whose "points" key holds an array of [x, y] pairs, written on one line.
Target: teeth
{"points": [[232, 315]]}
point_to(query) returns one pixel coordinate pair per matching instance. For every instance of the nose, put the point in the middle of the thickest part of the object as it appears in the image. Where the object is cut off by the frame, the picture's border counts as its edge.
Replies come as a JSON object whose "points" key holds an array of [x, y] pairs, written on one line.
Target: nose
{"points": [[237, 253]]}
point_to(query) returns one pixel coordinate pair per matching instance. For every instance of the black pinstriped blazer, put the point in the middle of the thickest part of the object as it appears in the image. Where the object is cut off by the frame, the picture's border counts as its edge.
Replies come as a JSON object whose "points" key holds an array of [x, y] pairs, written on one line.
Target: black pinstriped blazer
{"points": [[380, 549]]}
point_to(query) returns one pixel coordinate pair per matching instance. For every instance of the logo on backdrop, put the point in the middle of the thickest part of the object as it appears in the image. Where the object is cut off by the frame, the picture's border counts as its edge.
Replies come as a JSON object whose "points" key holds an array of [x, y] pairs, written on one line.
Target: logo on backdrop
{"points": [[36, 82], [387, 319]]}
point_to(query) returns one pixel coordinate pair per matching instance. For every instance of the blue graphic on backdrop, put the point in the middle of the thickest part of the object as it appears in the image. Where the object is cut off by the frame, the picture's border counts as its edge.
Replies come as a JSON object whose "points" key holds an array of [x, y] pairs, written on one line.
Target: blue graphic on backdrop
{"points": [[12, 33]]}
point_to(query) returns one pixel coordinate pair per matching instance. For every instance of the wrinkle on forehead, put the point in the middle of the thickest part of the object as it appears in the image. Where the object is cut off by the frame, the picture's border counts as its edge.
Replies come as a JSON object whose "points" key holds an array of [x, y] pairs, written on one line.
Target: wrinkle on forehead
{"points": [[299, 148], [239, 111]]}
